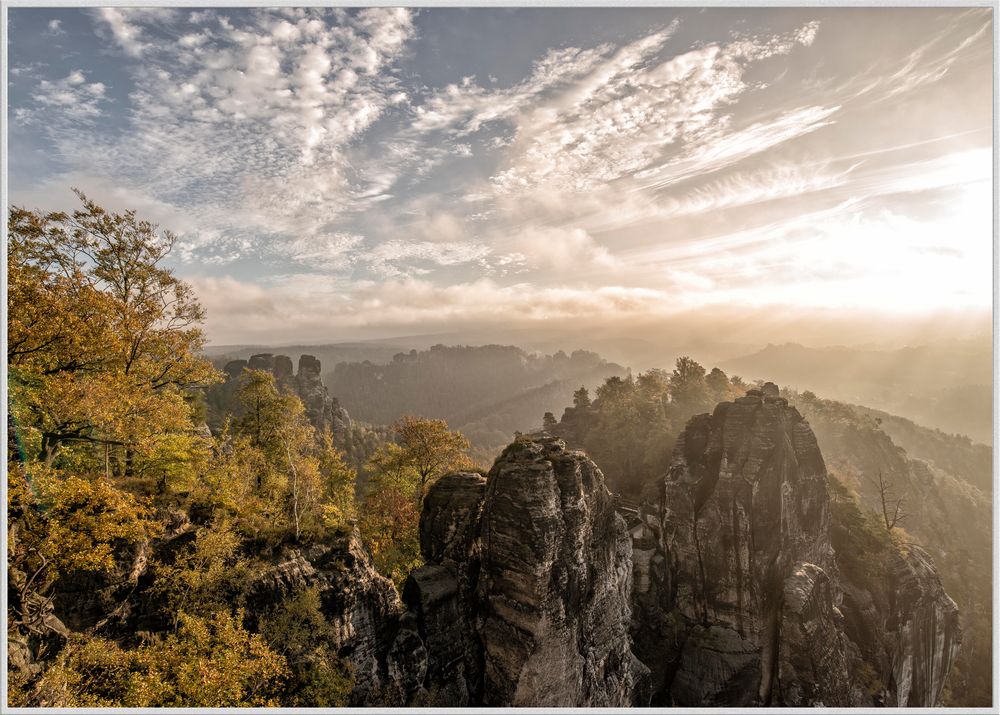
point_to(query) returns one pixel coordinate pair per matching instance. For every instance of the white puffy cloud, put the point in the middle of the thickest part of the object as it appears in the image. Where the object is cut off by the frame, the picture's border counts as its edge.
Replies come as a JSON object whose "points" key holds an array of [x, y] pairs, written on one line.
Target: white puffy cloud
{"points": [[245, 124], [69, 99]]}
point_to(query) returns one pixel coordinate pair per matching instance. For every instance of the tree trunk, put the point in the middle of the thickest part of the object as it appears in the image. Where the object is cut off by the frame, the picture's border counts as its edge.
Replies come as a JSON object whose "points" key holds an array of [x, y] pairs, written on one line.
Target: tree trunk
{"points": [[295, 489], [50, 448]]}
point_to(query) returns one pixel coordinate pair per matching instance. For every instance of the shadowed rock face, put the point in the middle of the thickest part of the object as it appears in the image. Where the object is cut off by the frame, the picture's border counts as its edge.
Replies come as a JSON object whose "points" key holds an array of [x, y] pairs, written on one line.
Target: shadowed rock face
{"points": [[361, 605], [748, 608], [539, 564], [745, 520], [263, 361], [323, 410], [555, 583], [923, 631]]}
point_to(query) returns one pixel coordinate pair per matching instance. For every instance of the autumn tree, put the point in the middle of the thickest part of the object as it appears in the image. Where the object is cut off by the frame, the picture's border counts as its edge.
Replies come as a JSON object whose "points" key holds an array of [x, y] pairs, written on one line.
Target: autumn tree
{"points": [[59, 526], [339, 482], [401, 471], [274, 474], [205, 577], [431, 449], [287, 475], [297, 629], [718, 385], [104, 341]]}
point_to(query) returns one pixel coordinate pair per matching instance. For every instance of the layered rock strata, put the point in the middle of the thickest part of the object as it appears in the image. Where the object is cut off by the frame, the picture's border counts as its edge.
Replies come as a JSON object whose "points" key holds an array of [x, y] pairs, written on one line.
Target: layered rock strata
{"points": [[538, 562]]}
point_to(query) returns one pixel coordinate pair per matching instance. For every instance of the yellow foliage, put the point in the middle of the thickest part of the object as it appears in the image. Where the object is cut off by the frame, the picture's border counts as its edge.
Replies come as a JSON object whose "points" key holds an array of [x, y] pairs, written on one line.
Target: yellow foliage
{"points": [[207, 576], [209, 662], [102, 340], [80, 522]]}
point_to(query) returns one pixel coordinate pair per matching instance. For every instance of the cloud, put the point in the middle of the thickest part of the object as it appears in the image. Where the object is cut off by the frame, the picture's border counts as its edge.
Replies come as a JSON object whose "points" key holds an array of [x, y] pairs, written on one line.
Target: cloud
{"points": [[71, 99], [630, 114], [395, 258], [332, 252], [464, 108], [860, 254], [751, 187], [245, 124], [126, 33], [305, 147], [310, 304], [957, 40], [717, 149], [54, 29], [569, 250]]}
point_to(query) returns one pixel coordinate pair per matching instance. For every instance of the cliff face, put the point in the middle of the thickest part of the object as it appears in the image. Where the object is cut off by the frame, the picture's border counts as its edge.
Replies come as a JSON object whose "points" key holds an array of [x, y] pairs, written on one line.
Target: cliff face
{"points": [[746, 608], [324, 411], [524, 598], [745, 530], [361, 605], [536, 564], [946, 514], [923, 630]]}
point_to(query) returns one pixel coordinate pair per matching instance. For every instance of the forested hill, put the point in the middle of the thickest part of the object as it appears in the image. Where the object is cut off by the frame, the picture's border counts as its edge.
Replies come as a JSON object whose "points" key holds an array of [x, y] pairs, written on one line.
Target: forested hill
{"points": [[945, 385], [487, 392]]}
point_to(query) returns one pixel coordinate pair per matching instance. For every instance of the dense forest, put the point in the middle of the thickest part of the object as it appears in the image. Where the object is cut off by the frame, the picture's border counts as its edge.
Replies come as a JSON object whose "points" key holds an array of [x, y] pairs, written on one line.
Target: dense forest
{"points": [[135, 534], [488, 392], [154, 501]]}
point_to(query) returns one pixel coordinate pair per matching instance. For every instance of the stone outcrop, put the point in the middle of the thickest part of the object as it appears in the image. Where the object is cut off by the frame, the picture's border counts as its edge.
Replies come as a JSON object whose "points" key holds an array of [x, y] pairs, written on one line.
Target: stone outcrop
{"points": [[923, 631], [748, 610], [537, 565], [361, 605], [323, 410]]}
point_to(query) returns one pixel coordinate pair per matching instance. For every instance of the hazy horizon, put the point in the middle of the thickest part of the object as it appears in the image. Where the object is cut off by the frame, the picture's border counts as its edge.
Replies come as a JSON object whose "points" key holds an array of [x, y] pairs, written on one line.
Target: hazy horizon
{"points": [[816, 175]]}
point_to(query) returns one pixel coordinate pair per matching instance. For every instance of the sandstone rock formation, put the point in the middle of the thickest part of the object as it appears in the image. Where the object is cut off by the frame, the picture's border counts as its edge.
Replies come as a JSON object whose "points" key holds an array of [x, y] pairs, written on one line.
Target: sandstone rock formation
{"points": [[924, 632], [524, 599], [532, 595], [323, 410], [536, 565], [747, 610], [361, 605]]}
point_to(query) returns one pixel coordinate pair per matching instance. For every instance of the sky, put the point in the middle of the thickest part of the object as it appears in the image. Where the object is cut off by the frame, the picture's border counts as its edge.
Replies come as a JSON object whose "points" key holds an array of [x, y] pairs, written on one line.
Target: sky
{"points": [[335, 174]]}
